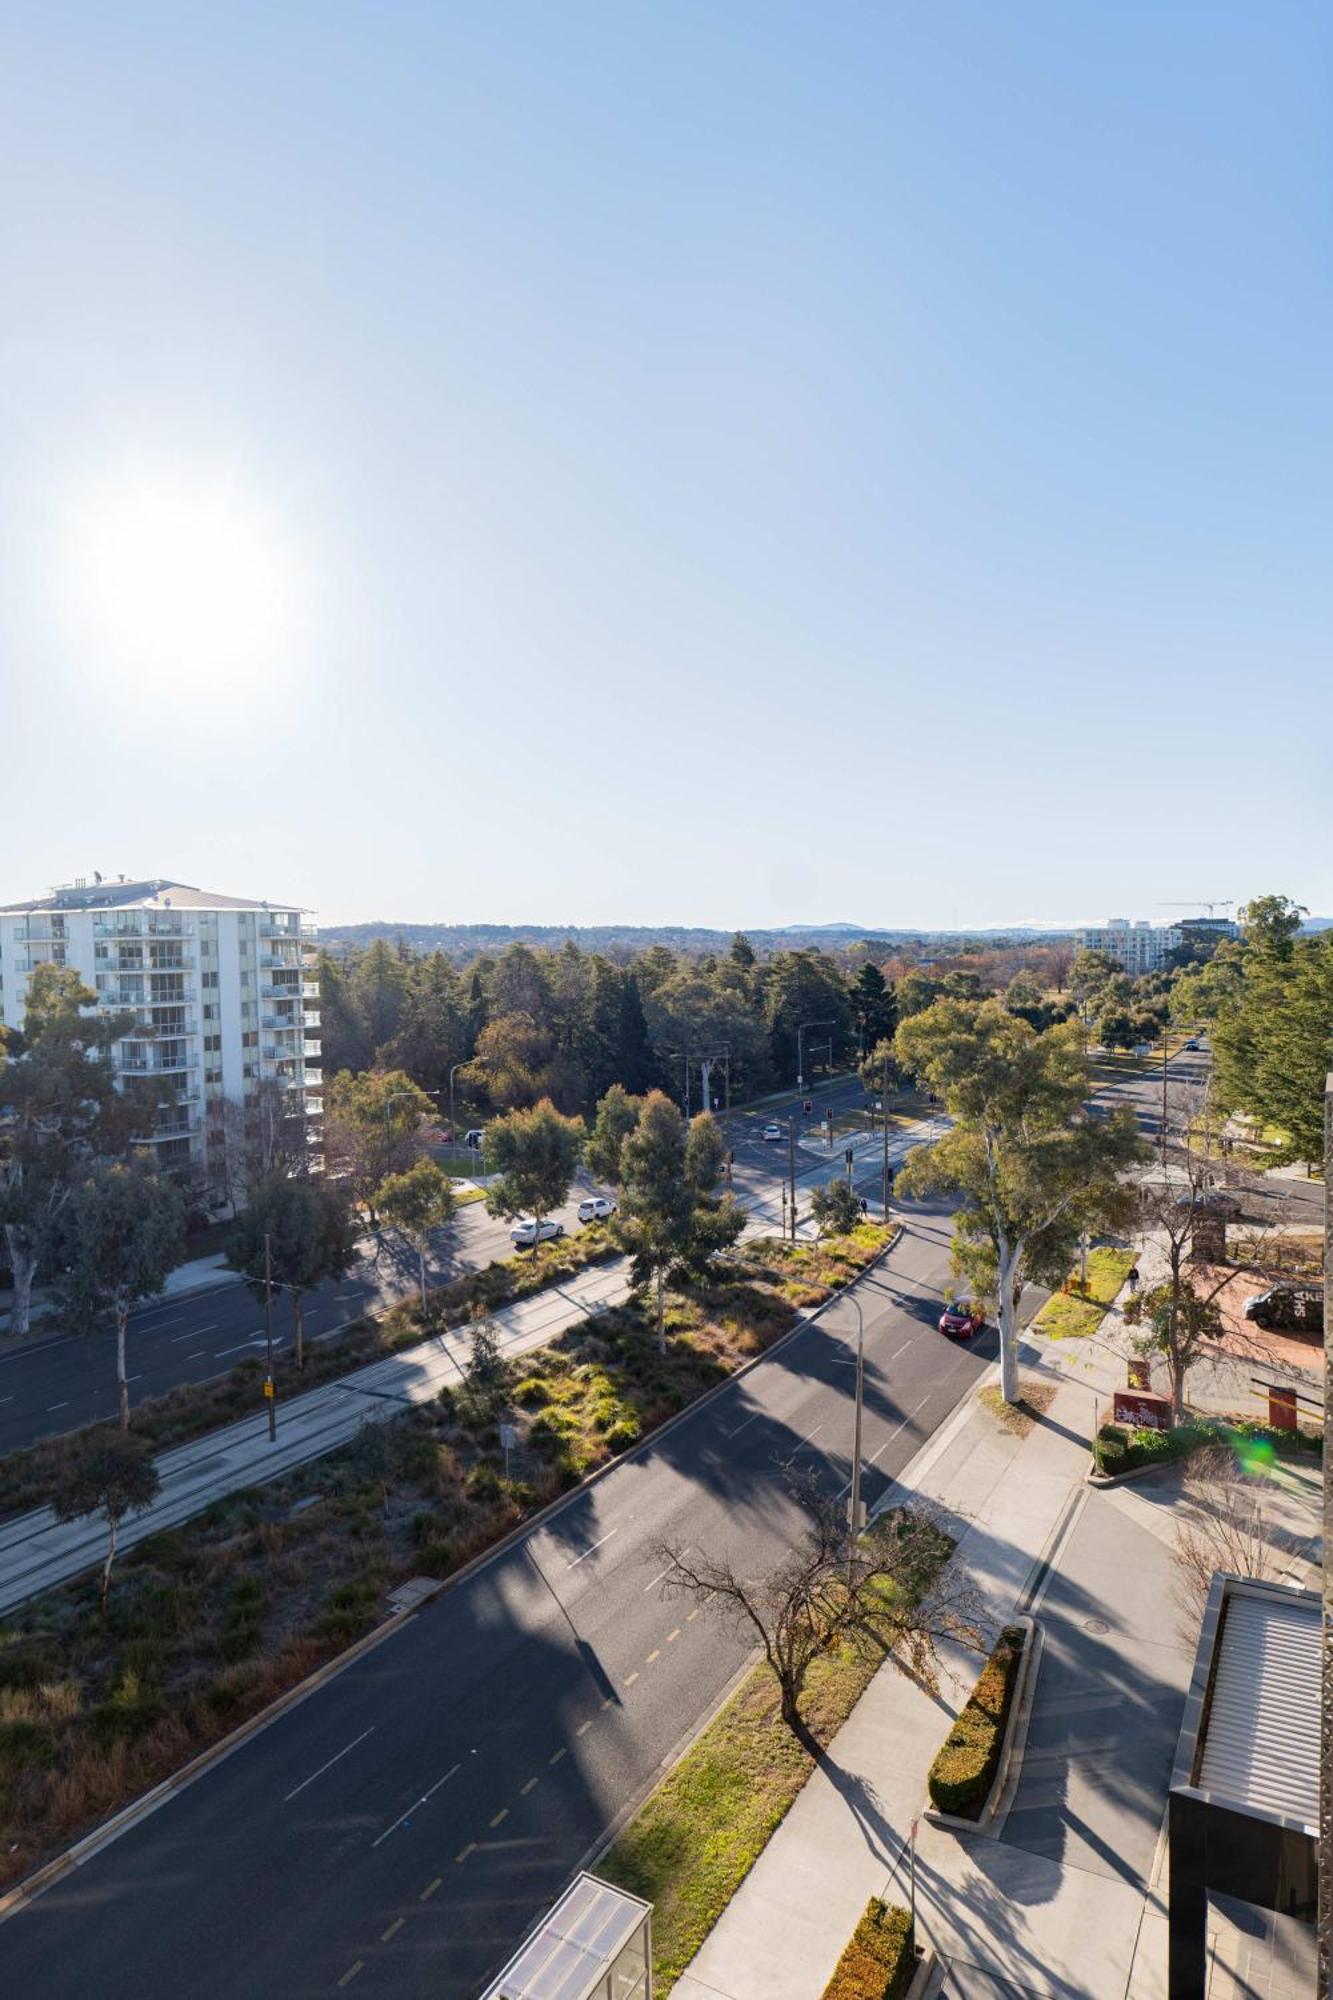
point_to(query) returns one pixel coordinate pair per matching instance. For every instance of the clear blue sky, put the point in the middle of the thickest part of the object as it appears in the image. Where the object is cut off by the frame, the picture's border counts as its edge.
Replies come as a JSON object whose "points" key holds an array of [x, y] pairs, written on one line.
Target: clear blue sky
{"points": [[743, 463]]}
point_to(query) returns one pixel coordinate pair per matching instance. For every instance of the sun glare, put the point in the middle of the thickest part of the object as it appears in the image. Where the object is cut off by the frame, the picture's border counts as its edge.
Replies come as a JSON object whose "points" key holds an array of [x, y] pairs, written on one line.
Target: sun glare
{"points": [[177, 587]]}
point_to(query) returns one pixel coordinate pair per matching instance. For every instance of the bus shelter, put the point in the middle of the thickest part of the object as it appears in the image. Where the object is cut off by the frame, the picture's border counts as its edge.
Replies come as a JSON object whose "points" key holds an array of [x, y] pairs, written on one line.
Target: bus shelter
{"points": [[594, 1944]]}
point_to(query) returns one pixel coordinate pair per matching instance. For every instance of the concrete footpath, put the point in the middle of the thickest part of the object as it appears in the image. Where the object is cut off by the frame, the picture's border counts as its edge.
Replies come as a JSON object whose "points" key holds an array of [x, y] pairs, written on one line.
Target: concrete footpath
{"points": [[39, 1553], [1063, 1895]]}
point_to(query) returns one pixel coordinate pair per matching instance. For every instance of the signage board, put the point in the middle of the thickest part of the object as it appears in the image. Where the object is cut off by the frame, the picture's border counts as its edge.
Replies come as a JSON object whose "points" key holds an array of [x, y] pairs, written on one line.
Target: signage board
{"points": [[1142, 1411]]}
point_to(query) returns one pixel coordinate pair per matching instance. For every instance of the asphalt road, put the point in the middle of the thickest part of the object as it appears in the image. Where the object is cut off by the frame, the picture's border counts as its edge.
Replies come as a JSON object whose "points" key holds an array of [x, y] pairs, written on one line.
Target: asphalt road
{"points": [[57, 1384], [402, 1826]]}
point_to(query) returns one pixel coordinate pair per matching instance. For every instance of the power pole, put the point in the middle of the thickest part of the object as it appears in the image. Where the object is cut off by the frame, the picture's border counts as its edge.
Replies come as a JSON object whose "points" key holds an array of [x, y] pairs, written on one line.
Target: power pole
{"points": [[1163, 1094], [1324, 1929], [791, 1169], [270, 1387]]}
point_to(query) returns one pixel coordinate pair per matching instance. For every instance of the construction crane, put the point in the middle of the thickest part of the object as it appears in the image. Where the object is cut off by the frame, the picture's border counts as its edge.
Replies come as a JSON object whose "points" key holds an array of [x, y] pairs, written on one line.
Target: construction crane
{"points": [[1201, 903]]}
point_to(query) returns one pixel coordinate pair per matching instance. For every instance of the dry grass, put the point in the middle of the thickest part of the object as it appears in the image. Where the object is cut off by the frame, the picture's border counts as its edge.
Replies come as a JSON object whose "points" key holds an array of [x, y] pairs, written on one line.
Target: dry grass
{"points": [[1034, 1400]]}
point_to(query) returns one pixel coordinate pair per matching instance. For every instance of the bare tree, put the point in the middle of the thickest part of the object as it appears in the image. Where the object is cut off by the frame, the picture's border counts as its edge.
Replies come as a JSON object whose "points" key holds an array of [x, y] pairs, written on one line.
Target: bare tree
{"points": [[889, 1589], [1221, 1526], [1185, 1203], [253, 1138]]}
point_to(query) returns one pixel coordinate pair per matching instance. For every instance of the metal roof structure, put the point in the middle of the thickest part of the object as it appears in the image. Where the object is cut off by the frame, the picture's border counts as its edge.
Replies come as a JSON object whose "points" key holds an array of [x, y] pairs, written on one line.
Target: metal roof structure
{"points": [[1260, 1738], [574, 1946], [158, 893]]}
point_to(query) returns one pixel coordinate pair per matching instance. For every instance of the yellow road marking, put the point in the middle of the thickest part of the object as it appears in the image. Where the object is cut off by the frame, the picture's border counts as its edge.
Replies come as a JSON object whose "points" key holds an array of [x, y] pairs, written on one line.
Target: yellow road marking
{"points": [[351, 1973], [583, 1729], [530, 1786], [656, 1654], [502, 1814], [556, 1759], [690, 1616], [396, 1925], [464, 1852], [631, 1678], [673, 1635], [430, 1889]]}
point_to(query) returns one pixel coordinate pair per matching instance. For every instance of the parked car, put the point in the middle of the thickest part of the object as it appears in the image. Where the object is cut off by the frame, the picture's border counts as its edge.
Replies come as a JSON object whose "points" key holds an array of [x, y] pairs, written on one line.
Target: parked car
{"points": [[773, 1130], [595, 1208], [1212, 1201], [962, 1320], [474, 1137], [1288, 1309], [524, 1232]]}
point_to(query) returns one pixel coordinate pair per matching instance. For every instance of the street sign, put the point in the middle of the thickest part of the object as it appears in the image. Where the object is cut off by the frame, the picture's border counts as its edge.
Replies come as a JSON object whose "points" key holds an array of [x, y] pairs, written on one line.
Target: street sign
{"points": [[508, 1436], [1142, 1411], [268, 1385]]}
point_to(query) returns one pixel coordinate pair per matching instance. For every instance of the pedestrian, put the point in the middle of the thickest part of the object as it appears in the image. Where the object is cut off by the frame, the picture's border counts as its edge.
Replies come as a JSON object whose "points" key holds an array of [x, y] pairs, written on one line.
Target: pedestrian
{"points": [[865, 1206], [1133, 1277]]}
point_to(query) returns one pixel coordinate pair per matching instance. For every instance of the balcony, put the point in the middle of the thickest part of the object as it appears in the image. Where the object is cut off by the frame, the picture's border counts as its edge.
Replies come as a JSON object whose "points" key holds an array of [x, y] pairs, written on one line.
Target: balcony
{"points": [[178, 1128], [158, 1064], [157, 923], [158, 960], [119, 996]]}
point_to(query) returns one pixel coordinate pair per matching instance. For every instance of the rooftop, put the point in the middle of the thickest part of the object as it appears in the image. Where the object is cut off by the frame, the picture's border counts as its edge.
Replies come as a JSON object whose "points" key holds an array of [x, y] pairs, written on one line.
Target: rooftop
{"points": [[1254, 1703], [122, 894], [573, 1946]]}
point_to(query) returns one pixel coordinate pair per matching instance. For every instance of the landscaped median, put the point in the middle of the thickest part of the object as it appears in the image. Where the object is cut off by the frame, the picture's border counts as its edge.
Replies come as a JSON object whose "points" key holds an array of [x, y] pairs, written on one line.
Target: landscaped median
{"points": [[880, 1959], [968, 1762], [1079, 1309], [210, 1622]]}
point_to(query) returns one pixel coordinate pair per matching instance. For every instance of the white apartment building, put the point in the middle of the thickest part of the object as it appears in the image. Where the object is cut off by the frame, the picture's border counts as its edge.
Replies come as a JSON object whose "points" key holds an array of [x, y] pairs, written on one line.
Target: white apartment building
{"points": [[223, 996], [1137, 947]]}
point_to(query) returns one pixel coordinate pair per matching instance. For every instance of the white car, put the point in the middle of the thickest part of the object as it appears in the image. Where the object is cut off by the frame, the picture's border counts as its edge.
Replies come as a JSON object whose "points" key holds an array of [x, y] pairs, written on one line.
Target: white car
{"points": [[524, 1232], [595, 1208], [773, 1130]]}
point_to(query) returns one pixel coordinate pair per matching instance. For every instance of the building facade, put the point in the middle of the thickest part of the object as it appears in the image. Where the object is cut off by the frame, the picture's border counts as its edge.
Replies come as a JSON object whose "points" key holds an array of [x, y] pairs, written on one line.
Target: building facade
{"points": [[225, 1011], [1135, 948]]}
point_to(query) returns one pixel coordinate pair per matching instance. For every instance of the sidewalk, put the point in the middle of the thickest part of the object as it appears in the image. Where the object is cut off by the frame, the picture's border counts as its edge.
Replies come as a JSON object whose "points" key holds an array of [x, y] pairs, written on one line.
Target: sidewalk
{"points": [[39, 1553], [1062, 1895]]}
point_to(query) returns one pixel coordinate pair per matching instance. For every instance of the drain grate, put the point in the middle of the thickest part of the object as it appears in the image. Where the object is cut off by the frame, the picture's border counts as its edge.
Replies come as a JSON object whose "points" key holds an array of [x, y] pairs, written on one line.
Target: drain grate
{"points": [[1098, 1625]]}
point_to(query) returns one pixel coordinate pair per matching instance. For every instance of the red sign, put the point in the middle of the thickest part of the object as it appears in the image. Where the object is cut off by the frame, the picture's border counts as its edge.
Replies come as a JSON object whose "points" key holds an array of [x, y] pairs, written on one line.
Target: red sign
{"points": [[1142, 1411], [1282, 1409]]}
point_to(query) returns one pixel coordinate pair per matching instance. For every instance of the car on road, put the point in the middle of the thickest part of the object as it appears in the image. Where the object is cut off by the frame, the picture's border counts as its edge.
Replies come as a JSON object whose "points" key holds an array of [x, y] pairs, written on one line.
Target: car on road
{"points": [[595, 1208], [1287, 1309], [1192, 1047], [962, 1320], [773, 1130], [474, 1137], [525, 1234]]}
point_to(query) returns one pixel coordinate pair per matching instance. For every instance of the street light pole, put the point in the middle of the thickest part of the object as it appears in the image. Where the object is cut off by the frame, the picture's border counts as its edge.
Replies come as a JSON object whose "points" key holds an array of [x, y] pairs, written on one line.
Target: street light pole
{"points": [[884, 1114], [453, 1115], [791, 1169], [270, 1386], [800, 1048], [854, 1503], [1164, 1094]]}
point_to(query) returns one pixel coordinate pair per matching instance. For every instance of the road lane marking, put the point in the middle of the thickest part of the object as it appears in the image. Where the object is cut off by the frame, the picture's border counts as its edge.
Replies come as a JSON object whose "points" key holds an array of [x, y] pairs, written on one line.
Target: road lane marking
{"points": [[745, 1426], [596, 1545], [583, 1729], [254, 1340], [412, 1808], [195, 1357], [558, 1755], [332, 1761], [194, 1333], [656, 1654], [690, 1616], [57, 1406], [351, 1973], [430, 1889], [529, 1787], [503, 1814], [464, 1852], [894, 1432], [808, 1438], [673, 1635], [396, 1925], [630, 1679]]}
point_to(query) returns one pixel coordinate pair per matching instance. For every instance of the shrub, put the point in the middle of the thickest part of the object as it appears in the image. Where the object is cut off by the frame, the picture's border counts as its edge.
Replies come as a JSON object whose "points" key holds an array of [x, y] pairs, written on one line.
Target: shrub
{"points": [[879, 1960], [24, 1746], [436, 1557], [964, 1768], [1119, 1450]]}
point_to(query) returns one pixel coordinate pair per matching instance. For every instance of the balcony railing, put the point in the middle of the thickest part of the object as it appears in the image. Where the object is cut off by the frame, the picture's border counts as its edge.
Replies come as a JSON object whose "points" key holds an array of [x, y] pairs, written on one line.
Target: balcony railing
{"points": [[157, 1065], [157, 923]]}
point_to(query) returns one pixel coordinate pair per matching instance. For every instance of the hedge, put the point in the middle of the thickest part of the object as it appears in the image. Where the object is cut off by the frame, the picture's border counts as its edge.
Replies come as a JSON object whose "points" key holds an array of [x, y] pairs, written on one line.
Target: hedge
{"points": [[879, 1961], [1119, 1450], [965, 1766]]}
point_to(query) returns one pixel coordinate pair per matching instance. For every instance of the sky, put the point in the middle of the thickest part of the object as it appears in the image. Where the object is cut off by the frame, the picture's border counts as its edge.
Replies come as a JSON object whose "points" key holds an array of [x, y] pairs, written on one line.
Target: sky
{"points": [[737, 465]]}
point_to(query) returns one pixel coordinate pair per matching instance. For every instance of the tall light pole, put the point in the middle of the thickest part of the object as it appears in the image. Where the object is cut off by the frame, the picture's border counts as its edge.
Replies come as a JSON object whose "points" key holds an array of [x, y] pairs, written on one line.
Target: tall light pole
{"points": [[453, 1115], [884, 1113], [854, 1500], [791, 1169], [801, 1033], [1163, 1094], [270, 1386]]}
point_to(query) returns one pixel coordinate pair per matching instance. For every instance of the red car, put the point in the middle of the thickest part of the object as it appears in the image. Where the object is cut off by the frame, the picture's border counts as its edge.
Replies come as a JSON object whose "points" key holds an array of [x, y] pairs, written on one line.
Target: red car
{"points": [[962, 1321]]}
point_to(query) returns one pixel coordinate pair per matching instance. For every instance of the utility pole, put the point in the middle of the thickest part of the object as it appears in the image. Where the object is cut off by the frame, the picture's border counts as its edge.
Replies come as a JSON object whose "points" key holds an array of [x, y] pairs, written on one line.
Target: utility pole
{"points": [[791, 1169], [270, 1387], [801, 1033], [1164, 1094], [854, 1502]]}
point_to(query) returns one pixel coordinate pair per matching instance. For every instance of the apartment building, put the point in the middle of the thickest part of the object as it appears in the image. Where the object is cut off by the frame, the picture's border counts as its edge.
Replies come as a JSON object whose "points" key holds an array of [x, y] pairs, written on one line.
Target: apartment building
{"points": [[224, 1001], [1138, 947]]}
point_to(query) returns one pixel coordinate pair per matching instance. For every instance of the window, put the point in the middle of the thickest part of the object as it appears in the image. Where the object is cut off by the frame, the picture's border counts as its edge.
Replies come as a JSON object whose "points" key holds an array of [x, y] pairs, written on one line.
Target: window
{"points": [[211, 1011], [212, 1076], [208, 979], [212, 1044], [250, 1039]]}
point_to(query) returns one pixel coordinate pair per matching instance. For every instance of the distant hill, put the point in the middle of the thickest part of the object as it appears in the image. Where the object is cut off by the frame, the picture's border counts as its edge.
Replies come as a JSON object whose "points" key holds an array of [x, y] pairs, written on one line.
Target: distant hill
{"points": [[464, 941]]}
